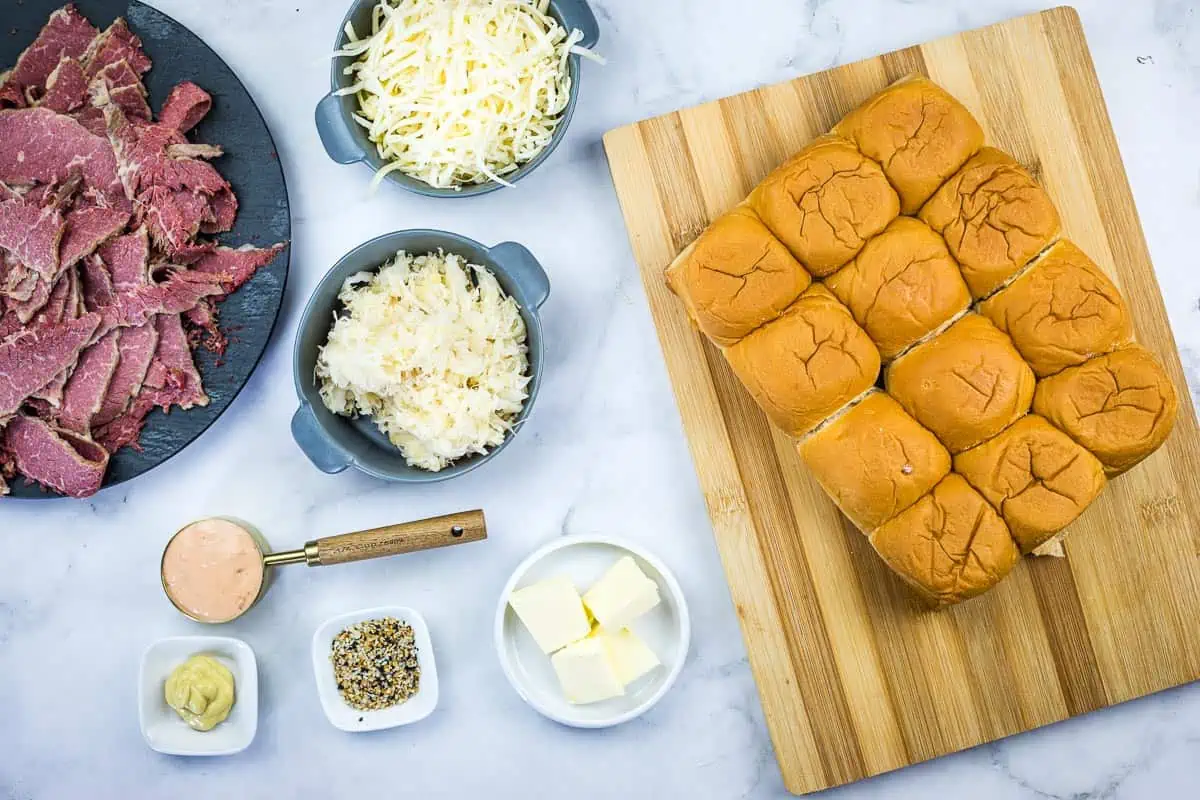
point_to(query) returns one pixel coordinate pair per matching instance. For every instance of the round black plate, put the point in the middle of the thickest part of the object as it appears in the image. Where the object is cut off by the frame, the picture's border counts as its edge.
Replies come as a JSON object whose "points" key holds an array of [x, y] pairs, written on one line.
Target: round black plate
{"points": [[250, 164]]}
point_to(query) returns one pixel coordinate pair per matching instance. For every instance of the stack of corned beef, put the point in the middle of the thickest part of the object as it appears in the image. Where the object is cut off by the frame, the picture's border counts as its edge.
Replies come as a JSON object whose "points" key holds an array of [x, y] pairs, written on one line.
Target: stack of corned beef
{"points": [[106, 278]]}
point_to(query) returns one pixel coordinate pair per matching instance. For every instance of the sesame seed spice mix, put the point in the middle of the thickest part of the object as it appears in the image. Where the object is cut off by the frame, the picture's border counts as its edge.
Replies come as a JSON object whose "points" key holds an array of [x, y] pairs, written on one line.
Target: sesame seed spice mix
{"points": [[375, 663]]}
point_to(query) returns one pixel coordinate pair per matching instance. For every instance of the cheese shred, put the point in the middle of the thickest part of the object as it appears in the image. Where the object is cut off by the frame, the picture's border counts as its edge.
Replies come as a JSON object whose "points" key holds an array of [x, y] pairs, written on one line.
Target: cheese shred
{"points": [[457, 92], [433, 351]]}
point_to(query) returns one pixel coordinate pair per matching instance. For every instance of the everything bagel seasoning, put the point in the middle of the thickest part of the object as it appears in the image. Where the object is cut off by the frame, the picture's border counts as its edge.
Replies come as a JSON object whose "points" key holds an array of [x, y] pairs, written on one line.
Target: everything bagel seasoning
{"points": [[375, 663]]}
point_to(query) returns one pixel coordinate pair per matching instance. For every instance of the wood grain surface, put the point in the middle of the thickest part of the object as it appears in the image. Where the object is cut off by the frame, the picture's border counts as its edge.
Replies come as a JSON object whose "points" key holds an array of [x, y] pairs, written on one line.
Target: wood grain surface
{"points": [[855, 676]]}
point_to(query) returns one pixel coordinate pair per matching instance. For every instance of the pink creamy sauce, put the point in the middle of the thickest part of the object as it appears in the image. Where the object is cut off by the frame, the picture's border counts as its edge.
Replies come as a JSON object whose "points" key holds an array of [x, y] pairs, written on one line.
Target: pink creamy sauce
{"points": [[213, 570]]}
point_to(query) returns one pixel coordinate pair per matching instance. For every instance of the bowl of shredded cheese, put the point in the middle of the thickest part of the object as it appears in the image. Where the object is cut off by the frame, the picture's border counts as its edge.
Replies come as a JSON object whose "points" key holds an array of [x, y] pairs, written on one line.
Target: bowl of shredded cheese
{"points": [[419, 356], [453, 98]]}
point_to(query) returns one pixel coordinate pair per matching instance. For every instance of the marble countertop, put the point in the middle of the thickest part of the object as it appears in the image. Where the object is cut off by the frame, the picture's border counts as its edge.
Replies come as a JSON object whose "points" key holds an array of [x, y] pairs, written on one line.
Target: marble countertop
{"points": [[603, 453]]}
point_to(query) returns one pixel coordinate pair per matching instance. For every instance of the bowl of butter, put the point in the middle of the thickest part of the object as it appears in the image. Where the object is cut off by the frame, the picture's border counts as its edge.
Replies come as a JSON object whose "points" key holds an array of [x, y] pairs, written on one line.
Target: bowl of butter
{"points": [[591, 631]]}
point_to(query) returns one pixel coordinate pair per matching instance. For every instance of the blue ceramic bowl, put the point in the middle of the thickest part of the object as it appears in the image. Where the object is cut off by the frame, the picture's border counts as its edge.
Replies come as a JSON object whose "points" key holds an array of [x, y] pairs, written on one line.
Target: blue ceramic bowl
{"points": [[346, 141], [334, 443]]}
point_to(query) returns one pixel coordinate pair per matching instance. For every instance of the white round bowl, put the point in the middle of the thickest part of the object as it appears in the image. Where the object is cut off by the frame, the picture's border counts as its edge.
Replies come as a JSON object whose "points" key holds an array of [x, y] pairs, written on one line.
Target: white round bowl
{"points": [[666, 629]]}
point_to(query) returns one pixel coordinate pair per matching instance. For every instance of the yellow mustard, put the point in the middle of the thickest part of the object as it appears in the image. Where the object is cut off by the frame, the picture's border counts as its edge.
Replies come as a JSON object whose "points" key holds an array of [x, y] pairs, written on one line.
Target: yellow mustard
{"points": [[201, 691]]}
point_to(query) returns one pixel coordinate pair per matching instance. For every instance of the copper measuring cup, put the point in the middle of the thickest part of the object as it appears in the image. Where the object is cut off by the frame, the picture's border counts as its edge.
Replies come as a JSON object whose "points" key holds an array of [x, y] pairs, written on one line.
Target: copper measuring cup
{"points": [[390, 540]]}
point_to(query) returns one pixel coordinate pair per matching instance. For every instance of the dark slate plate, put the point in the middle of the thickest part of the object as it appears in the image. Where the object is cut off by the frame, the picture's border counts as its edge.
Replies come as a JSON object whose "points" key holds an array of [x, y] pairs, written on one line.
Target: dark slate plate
{"points": [[250, 163]]}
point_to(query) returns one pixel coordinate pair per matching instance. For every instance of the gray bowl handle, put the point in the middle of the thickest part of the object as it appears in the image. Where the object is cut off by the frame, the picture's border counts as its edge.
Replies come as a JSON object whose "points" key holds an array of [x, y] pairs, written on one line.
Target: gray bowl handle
{"points": [[525, 271], [578, 14], [316, 444], [334, 130]]}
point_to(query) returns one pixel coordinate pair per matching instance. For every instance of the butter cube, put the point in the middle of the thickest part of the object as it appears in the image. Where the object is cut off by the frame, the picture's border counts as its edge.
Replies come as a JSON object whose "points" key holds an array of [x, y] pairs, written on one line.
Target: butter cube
{"points": [[631, 657], [552, 612], [621, 595], [586, 672]]}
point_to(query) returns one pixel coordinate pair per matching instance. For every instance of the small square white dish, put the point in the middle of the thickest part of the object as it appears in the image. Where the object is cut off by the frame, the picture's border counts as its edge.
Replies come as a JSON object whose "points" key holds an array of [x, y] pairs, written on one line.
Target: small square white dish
{"points": [[164, 730], [666, 629], [347, 718]]}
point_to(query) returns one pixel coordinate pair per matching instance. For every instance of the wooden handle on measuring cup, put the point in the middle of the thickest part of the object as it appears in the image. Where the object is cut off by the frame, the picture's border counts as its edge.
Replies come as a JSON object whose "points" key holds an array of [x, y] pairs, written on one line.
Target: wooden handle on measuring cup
{"points": [[407, 537]]}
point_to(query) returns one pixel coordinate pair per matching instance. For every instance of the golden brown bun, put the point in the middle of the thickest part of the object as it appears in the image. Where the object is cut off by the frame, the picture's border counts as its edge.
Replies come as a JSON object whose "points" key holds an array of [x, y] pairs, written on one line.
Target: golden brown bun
{"points": [[1120, 406], [1038, 478], [736, 277], [901, 286], [994, 216], [920, 133], [950, 545], [1061, 312], [825, 202], [875, 460], [807, 364], [966, 384]]}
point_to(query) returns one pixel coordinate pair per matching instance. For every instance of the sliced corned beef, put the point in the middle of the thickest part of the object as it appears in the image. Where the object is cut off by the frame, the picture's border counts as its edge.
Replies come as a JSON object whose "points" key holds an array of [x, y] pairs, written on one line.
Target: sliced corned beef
{"points": [[32, 233], [145, 162], [137, 346], [184, 107], [135, 307], [32, 358], [87, 228], [173, 375], [127, 258], [97, 283], [91, 119], [66, 88], [41, 146], [20, 282], [88, 384], [66, 34], [61, 460], [234, 266], [27, 309], [173, 216], [54, 310], [119, 84], [117, 43]]}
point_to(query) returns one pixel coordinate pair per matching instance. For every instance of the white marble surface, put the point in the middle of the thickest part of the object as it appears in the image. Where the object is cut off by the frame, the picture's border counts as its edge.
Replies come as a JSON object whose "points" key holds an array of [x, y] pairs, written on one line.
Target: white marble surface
{"points": [[603, 452]]}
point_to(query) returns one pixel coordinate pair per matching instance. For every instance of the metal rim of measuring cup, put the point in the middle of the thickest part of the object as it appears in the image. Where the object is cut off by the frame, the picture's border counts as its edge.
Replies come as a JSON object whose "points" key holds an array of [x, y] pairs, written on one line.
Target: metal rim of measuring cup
{"points": [[263, 549]]}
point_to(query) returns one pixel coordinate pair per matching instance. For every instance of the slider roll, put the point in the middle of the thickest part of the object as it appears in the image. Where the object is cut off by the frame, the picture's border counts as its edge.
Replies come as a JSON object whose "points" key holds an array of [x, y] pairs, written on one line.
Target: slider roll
{"points": [[808, 364], [1120, 406], [875, 460], [1035, 476], [918, 132], [966, 384], [736, 277], [902, 286], [1061, 312], [994, 217], [825, 202]]}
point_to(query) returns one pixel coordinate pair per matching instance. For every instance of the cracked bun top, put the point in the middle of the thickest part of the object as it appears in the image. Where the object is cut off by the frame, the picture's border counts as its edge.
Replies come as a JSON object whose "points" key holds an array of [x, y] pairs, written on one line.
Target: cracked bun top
{"points": [[950, 545], [1061, 312], [966, 384], [1120, 406], [875, 460], [994, 217], [901, 286], [807, 364], [825, 202], [918, 132], [736, 277], [1036, 476]]}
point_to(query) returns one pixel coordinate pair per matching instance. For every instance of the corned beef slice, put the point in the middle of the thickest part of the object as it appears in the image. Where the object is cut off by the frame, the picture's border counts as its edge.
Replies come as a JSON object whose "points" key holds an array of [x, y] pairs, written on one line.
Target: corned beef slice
{"points": [[97, 283], [173, 378], [117, 43], [88, 228], [88, 385], [119, 84], [41, 146], [184, 107], [32, 233], [66, 34], [66, 88], [177, 294], [55, 309], [31, 359], [234, 266], [61, 460], [174, 216], [127, 258], [137, 346], [27, 309]]}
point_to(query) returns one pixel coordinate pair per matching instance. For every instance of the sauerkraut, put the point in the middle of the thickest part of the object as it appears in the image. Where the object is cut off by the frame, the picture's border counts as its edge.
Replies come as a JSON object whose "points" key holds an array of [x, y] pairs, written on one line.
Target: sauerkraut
{"points": [[458, 92], [434, 351]]}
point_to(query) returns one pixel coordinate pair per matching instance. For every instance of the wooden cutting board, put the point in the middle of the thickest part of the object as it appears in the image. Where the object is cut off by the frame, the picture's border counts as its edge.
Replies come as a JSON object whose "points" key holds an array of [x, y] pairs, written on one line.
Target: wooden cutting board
{"points": [[855, 677]]}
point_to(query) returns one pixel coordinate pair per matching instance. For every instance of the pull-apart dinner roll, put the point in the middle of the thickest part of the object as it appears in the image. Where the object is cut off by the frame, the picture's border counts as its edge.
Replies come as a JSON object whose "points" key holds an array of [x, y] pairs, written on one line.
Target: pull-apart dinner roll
{"points": [[807, 364], [994, 217], [966, 384], [1036, 476], [1061, 312], [950, 545], [825, 202], [736, 277], [875, 460], [918, 132], [1120, 406], [901, 286]]}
